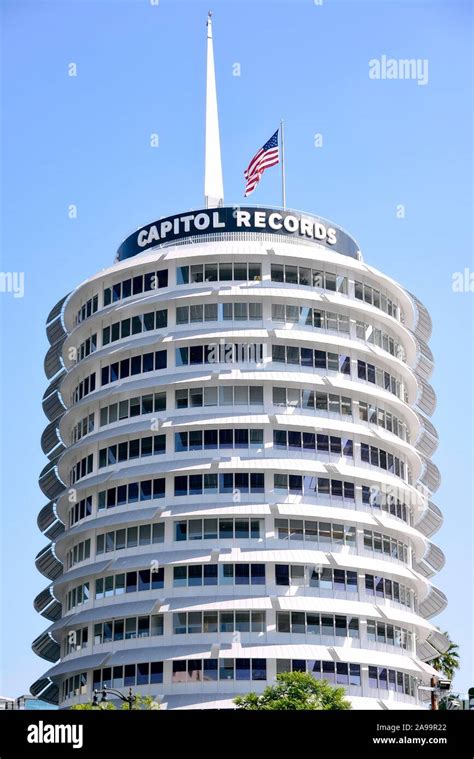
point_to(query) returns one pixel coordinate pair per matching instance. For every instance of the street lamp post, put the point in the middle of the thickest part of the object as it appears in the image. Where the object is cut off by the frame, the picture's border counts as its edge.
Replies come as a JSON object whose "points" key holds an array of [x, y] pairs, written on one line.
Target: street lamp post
{"points": [[130, 699], [434, 695]]}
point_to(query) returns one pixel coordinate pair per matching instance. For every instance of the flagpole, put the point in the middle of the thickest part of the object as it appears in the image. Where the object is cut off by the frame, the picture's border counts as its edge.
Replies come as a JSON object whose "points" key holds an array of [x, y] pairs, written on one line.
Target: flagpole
{"points": [[283, 187]]}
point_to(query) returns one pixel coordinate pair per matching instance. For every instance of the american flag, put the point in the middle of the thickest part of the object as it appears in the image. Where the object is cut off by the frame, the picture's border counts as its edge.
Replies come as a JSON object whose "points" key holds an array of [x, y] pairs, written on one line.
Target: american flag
{"points": [[267, 156]]}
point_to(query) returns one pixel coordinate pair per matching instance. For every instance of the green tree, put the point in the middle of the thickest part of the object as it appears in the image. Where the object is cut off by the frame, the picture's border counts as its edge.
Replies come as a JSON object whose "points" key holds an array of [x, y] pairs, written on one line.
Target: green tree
{"points": [[295, 690], [141, 702], [448, 662], [89, 707], [451, 701]]}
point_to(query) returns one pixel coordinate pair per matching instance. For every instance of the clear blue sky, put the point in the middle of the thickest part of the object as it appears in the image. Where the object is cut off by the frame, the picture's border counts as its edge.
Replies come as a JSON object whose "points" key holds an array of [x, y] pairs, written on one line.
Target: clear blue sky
{"points": [[85, 140]]}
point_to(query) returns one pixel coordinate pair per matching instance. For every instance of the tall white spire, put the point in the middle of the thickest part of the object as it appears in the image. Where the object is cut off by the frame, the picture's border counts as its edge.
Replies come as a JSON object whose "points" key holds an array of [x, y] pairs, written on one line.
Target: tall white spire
{"points": [[213, 185]]}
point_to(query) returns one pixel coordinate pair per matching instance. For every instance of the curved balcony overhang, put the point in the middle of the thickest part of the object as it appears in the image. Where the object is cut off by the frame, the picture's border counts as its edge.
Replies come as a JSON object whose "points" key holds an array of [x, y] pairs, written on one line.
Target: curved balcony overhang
{"points": [[54, 326], [196, 464], [432, 562], [423, 326], [427, 441], [47, 604], [48, 564], [113, 611], [55, 531], [267, 336], [425, 651], [55, 331], [102, 522], [85, 571], [186, 701], [53, 360], [179, 379], [366, 519], [79, 664], [223, 603], [424, 360], [434, 603], [194, 506], [426, 400], [49, 523], [431, 477], [45, 690], [270, 651], [266, 290], [49, 480], [212, 416], [46, 647], [47, 516], [264, 555], [438, 641], [51, 444], [56, 309], [53, 405], [365, 432], [274, 250], [54, 385], [430, 520]]}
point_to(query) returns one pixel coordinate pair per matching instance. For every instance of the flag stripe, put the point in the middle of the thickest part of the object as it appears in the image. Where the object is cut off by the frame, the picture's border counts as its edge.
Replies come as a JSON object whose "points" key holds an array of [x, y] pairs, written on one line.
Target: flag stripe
{"points": [[268, 159], [253, 161], [267, 156], [265, 159]]}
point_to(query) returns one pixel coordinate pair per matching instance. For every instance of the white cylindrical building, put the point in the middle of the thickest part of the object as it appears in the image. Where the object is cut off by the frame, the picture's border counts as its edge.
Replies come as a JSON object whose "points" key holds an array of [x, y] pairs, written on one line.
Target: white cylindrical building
{"points": [[239, 474]]}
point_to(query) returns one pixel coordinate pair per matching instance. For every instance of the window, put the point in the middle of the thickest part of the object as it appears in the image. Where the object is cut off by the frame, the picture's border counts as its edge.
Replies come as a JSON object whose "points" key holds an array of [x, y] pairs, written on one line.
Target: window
{"points": [[128, 538], [214, 272], [385, 419], [308, 399], [395, 549], [146, 322], [370, 295], [136, 365], [132, 493], [197, 484], [308, 317], [288, 439], [218, 312], [151, 281], [381, 587], [227, 353], [370, 373], [80, 510], [222, 669], [146, 446], [143, 673], [384, 460], [223, 574], [212, 622], [297, 485], [207, 529], [304, 276], [78, 595], [310, 623], [222, 438], [312, 358], [81, 469], [213, 396], [87, 309]]}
